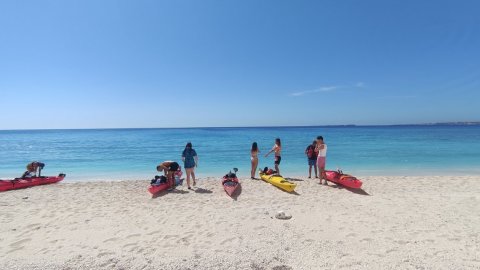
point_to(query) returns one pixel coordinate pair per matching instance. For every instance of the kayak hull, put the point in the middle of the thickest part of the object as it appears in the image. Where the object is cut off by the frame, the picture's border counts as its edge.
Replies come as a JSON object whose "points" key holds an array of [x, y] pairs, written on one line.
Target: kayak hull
{"points": [[230, 185], [154, 189], [343, 179], [20, 183], [279, 182]]}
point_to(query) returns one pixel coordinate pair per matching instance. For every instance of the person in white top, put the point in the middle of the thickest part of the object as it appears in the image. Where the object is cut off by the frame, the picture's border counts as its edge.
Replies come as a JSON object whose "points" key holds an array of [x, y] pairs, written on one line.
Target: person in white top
{"points": [[321, 148]]}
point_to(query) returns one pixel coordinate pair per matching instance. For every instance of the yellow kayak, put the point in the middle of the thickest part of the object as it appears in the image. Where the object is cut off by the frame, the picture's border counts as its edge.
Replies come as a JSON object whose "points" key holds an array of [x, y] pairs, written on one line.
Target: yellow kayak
{"points": [[278, 181]]}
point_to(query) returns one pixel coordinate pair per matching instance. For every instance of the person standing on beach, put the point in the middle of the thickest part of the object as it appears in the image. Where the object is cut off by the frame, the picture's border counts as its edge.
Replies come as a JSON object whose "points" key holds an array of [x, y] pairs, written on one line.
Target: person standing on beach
{"points": [[254, 158], [321, 148], [190, 160], [312, 158], [169, 168], [277, 148]]}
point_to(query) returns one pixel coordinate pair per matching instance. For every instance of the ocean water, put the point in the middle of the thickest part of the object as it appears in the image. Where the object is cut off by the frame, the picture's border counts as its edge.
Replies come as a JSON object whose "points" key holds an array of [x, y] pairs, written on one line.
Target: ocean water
{"points": [[124, 154]]}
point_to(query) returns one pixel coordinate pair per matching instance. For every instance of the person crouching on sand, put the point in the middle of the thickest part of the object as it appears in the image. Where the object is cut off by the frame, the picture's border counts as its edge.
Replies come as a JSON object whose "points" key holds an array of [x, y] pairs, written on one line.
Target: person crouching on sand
{"points": [[169, 168], [312, 158], [254, 158], [277, 148], [322, 158], [32, 168], [190, 160]]}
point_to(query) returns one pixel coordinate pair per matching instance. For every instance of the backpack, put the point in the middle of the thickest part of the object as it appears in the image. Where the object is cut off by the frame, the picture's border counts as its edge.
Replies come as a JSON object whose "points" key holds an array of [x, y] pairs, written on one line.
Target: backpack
{"points": [[311, 152], [158, 180]]}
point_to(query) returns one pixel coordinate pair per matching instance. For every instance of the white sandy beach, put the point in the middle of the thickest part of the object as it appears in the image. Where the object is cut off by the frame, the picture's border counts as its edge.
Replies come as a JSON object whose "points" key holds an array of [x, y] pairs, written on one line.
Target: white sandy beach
{"points": [[404, 223]]}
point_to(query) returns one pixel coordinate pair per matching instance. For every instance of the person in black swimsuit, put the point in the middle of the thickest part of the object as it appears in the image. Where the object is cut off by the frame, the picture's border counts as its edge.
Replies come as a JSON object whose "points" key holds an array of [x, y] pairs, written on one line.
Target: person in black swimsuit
{"points": [[169, 168]]}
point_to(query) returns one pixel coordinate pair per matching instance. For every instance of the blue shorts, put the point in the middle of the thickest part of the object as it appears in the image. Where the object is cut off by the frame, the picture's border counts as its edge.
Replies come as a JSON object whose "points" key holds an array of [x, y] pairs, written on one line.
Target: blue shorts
{"points": [[312, 162]]}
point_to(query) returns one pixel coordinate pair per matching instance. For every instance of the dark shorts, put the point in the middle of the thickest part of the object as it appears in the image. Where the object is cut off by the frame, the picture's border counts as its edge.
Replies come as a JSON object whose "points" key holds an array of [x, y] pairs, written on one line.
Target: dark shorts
{"points": [[173, 167], [278, 159], [312, 162], [189, 163]]}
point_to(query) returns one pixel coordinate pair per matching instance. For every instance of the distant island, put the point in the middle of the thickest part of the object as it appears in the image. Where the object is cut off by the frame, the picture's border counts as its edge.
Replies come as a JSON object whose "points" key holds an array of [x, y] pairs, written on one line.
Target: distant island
{"points": [[470, 123], [466, 123]]}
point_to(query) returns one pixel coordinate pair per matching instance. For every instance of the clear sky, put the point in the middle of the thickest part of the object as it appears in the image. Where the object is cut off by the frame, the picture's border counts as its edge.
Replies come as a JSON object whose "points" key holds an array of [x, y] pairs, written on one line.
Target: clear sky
{"points": [[104, 64]]}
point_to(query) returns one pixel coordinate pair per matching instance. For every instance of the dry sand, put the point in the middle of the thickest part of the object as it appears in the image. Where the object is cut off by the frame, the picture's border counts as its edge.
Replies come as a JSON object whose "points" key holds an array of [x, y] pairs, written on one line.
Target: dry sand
{"points": [[395, 223]]}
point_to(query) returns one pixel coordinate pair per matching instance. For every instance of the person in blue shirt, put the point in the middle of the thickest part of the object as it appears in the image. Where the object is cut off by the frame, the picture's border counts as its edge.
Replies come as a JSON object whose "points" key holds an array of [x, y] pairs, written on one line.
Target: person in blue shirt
{"points": [[190, 159]]}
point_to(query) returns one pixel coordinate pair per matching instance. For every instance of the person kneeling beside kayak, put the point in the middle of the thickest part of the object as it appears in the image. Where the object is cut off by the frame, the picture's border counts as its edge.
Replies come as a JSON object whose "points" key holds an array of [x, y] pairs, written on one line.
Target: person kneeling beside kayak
{"points": [[32, 168], [269, 171], [169, 168]]}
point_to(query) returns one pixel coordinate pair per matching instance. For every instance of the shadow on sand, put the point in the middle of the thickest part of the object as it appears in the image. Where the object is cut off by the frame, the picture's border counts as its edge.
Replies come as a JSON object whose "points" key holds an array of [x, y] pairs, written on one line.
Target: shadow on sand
{"points": [[203, 191], [237, 193], [293, 192], [294, 179], [163, 193], [358, 191]]}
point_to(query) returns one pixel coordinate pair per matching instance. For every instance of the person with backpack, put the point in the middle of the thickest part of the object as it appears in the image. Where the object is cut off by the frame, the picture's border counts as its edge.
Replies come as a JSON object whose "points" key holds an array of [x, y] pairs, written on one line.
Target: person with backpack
{"points": [[312, 158]]}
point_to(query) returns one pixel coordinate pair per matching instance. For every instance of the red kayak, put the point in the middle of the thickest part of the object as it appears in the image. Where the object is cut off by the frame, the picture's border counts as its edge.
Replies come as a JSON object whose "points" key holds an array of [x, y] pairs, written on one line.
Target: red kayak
{"points": [[230, 185], [230, 182], [154, 189], [343, 179], [19, 183]]}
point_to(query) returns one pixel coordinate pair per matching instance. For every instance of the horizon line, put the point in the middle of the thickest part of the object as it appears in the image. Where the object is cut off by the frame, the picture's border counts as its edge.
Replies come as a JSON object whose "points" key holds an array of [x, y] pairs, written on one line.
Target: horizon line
{"points": [[458, 123]]}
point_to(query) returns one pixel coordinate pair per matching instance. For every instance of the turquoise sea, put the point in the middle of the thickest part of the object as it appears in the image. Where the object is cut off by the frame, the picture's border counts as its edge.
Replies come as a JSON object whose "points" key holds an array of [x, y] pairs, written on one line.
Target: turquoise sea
{"points": [[120, 154]]}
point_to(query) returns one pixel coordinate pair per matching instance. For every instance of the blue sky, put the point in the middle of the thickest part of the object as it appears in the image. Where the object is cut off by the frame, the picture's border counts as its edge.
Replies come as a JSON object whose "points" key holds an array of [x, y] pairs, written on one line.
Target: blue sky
{"points": [[105, 64]]}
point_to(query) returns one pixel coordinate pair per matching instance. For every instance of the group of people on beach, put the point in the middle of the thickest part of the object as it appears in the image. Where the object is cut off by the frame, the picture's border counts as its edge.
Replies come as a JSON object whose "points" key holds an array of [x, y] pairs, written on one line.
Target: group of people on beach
{"points": [[315, 152], [317, 157]]}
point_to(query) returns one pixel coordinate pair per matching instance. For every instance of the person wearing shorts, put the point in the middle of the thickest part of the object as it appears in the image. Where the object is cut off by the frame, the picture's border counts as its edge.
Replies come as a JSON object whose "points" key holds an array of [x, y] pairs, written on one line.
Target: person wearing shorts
{"points": [[312, 158], [277, 148], [278, 159], [190, 162], [321, 148], [169, 168]]}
